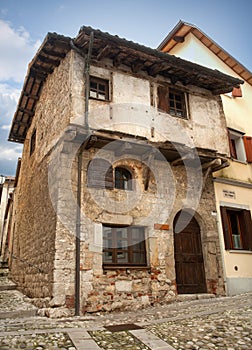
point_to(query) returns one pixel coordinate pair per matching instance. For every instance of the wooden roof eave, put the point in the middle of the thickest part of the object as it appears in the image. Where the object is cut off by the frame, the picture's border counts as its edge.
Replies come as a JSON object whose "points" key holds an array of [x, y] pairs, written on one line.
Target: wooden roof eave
{"points": [[49, 55], [121, 51], [109, 46]]}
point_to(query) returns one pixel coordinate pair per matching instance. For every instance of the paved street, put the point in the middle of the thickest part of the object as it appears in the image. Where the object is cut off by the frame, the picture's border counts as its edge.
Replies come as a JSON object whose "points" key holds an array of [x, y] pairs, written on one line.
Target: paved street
{"points": [[214, 323]]}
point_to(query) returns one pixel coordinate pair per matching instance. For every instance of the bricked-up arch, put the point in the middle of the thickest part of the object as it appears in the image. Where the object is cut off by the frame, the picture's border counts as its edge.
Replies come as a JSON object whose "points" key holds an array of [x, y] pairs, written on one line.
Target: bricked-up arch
{"points": [[189, 264], [100, 174]]}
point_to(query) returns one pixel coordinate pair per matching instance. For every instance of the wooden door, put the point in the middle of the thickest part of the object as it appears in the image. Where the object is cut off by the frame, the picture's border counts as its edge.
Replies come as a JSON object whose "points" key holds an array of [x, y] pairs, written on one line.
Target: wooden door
{"points": [[189, 264]]}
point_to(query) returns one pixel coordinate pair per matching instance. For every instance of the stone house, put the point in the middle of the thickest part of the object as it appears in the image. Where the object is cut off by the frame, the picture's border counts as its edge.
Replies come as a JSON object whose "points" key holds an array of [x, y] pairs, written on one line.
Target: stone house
{"points": [[114, 203], [7, 187], [233, 184]]}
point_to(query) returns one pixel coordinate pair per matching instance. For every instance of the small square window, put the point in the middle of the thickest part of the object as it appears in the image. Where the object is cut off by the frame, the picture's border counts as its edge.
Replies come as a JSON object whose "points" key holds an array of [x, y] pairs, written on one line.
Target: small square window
{"points": [[236, 144], [172, 101], [99, 89]]}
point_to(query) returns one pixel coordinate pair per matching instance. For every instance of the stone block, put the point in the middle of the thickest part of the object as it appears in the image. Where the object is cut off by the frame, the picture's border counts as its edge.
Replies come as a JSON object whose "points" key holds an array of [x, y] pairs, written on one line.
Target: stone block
{"points": [[123, 286]]}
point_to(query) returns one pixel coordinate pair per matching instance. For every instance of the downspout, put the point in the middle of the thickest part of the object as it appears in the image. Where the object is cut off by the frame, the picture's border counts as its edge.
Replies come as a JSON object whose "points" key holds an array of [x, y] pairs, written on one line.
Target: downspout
{"points": [[78, 214]]}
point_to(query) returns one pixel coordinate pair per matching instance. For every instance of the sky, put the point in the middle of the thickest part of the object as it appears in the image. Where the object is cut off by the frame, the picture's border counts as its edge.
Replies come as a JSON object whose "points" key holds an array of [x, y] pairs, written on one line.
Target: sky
{"points": [[25, 23]]}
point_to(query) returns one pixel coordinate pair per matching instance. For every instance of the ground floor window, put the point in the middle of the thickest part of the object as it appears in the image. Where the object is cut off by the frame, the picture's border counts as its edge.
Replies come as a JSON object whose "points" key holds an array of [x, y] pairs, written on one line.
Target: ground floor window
{"points": [[237, 228], [124, 246]]}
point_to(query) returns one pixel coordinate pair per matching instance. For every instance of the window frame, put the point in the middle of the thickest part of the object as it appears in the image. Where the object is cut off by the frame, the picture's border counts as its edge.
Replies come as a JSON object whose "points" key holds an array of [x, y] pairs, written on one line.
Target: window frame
{"points": [[128, 249], [236, 145], [121, 183], [244, 226], [99, 82], [164, 101], [33, 141]]}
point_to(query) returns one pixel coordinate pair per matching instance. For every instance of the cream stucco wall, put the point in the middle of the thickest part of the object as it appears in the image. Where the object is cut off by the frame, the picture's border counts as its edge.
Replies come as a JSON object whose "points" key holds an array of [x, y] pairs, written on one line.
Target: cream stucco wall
{"points": [[130, 111], [238, 113]]}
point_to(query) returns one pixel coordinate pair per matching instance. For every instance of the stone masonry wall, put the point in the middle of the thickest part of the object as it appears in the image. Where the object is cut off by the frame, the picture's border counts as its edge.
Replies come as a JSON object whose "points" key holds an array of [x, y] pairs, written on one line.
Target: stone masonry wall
{"points": [[32, 263], [121, 288]]}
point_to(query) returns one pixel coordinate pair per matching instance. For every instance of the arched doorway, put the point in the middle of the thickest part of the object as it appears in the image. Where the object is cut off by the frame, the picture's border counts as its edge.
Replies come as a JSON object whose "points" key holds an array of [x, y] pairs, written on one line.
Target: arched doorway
{"points": [[189, 263]]}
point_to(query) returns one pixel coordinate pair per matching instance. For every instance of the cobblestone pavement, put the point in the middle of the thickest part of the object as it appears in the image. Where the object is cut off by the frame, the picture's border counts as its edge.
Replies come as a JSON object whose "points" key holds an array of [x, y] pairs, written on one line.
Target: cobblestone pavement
{"points": [[203, 324]]}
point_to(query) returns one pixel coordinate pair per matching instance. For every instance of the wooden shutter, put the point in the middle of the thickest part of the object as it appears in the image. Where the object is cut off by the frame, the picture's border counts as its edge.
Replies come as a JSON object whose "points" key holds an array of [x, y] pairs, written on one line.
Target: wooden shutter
{"points": [[248, 147], [237, 92], [99, 174], [163, 98], [246, 229], [232, 148], [225, 228]]}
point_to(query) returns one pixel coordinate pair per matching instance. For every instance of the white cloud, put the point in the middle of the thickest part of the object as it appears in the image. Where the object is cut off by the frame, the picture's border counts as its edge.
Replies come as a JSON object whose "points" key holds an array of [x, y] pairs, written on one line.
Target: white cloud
{"points": [[10, 153], [17, 49], [5, 127], [8, 103]]}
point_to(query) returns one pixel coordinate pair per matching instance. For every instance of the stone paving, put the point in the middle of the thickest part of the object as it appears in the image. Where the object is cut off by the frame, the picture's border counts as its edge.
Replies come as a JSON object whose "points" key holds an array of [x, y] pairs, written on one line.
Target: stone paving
{"points": [[199, 324]]}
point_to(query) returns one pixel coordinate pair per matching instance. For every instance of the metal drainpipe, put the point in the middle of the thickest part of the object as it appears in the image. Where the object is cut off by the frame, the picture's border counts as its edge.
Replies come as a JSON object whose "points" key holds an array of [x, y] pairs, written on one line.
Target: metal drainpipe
{"points": [[78, 215]]}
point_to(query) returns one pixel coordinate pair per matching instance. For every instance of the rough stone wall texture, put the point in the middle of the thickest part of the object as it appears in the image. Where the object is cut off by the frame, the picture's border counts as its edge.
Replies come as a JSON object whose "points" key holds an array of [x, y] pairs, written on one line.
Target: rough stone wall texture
{"points": [[34, 228], [122, 288], [44, 234]]}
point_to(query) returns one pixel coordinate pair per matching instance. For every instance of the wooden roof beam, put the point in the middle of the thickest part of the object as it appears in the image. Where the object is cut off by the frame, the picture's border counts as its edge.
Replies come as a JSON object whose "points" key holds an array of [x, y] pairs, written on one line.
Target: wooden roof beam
{"points": [[136, 66], [53, 53], [117, 61], [33, 97], [104, 52], [27, 111], [158, 67], [48, 60]]}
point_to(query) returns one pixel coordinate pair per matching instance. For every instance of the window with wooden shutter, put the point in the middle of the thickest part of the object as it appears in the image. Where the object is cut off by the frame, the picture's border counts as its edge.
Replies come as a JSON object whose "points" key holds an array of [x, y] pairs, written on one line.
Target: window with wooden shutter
{"points": [[236, 145], [172, 101], [237, 228], [100, 173], [248, 147]]}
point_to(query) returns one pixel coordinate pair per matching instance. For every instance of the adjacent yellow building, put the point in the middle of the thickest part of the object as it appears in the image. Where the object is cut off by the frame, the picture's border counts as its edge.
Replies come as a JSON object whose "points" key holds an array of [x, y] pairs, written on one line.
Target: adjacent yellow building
{"points": [[233, 184]]}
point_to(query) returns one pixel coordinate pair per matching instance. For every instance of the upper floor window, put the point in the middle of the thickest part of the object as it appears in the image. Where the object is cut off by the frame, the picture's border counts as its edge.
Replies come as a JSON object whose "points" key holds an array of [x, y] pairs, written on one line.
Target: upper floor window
{"points": [[99, 88], [124, 246], [172, 101], [123, 179], [237, 228], [33, 142], [237, 150]]}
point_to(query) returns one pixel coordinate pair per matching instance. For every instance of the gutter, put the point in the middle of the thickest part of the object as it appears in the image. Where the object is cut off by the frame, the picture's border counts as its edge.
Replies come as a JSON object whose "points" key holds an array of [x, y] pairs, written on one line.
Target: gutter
{"points": [[80, 152]]}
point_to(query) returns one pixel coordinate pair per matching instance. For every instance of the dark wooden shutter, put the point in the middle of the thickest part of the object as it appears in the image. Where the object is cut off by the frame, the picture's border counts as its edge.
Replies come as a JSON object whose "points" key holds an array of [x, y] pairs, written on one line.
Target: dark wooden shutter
{"points": [[163, 98], [248, 147], [99, 174], [246, 229], [232, 148], [225, 228]]}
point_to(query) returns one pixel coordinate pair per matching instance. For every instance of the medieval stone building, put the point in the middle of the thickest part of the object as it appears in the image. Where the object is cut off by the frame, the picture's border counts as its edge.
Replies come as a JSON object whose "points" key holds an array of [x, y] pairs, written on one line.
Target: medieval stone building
{"points": [[115, 205]]}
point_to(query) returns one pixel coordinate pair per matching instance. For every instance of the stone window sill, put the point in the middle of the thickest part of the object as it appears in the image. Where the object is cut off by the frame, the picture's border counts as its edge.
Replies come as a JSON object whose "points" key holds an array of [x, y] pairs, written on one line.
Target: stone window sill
{"points": [[240, 251]]}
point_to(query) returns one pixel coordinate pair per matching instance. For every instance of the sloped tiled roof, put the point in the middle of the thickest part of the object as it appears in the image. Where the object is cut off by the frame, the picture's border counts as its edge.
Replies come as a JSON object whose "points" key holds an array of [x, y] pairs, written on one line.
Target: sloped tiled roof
{"points": [[122, 53], [183, 28]]}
